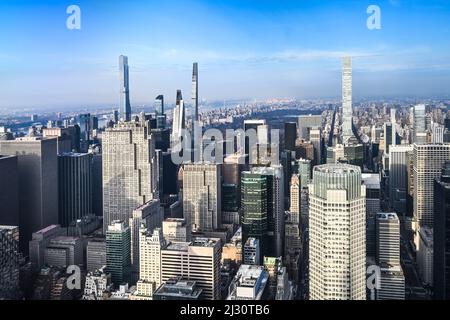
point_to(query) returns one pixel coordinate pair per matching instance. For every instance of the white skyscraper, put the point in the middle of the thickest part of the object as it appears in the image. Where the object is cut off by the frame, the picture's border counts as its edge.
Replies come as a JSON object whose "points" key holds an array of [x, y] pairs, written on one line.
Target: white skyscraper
{"points": [[419, 124], [394, 127], [150, 246], [130, 170], [347, 107], [195, 90], [388, 239], [392, 281], [437, 133], [295, 199], [176, 230], [150, 215], [428, 162], [196, 261], [337, 230], [202, 196]]}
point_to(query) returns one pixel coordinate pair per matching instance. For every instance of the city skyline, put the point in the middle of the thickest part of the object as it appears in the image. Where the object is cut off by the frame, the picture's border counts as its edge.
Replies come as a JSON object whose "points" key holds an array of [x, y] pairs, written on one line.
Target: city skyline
{"points": [[290, 49], [269, 198]]}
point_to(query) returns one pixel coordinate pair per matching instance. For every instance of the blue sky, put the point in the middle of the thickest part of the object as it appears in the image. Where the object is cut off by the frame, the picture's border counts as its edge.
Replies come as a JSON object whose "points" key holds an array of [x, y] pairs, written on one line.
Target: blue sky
{"points": [[245, 49]]}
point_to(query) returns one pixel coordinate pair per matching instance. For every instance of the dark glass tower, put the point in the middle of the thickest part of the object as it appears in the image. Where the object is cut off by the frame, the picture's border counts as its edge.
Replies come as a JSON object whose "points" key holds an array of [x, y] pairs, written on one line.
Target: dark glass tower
{"points": [[441, 234], [159, 111], [254, 208], [75, 187], [290, 135], [125, 107]]}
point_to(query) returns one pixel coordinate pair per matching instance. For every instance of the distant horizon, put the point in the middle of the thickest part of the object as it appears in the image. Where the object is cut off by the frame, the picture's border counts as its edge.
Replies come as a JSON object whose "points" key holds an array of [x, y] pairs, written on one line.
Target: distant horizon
{"points": [[170, 104], [258, 49]]}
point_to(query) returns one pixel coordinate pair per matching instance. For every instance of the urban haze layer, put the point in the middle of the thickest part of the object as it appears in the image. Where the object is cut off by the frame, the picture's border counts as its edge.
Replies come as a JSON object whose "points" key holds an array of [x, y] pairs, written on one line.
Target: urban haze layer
{"points": [[186, 198]]}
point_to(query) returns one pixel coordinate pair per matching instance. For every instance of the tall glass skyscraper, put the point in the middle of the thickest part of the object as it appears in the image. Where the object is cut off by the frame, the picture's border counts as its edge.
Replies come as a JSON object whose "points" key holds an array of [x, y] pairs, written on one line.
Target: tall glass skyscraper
{"points": [[441, 234], [254, 189], [118, 252], [74, 187], [125, 107]]}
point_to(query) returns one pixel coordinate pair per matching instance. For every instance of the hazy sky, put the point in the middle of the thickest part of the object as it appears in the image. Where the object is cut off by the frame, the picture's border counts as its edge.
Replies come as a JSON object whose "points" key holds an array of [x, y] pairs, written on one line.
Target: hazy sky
{"points": [[245, 49]]}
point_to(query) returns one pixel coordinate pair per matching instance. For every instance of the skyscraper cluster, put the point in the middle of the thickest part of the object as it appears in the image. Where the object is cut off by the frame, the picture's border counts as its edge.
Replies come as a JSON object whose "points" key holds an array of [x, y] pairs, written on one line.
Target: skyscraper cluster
{"points": [[351, 204]]}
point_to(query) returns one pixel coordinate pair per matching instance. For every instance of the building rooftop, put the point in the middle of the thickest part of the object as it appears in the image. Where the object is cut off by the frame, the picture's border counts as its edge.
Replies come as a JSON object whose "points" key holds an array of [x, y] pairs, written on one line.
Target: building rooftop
{"points": [[337, 168], [47, 229], [197, 242], [73, 154], [64, 240], [371, 180], [177, 287], [387, 216], [8, 228], [249, 283], [7, 156], [205, 242]]}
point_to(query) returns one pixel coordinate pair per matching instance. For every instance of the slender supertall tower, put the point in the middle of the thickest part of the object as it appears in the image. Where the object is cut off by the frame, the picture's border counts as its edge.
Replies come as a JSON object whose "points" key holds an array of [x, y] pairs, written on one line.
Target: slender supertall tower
{"points": [[178, 120], [197, 131], [347, 110], [125, 107], [195, 90], [394, 124]]}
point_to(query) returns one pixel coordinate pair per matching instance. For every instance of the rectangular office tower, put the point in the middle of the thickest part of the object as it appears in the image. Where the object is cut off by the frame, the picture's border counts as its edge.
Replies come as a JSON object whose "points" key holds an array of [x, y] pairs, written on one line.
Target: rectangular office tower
{"points": [[441, 235], [392, 281], [419, 124], [254, 208], [150, 245], [159, 112], [347, 107], [428, 162], [9, 192], [130, 170], [388, 239], [308, 122], [290, 135], [398, 177], [38, 183], [337, 230], [255, 130], [125, 107], [263, 208], [75, 187], [118, 252], [9, 262], [197, 261], [95, 254], [150, 216], [202, 196]]}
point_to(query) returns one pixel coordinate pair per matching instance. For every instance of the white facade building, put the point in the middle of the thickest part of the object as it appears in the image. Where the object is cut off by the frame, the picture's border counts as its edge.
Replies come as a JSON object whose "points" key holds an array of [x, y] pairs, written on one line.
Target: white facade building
{"points": [[337, 230]]}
